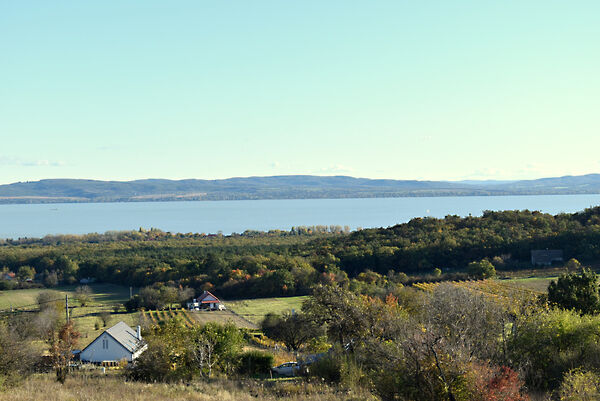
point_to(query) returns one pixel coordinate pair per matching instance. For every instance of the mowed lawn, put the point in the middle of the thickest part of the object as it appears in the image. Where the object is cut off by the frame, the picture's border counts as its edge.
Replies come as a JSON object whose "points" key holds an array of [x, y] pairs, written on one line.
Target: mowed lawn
{"points": [[256, 309]]}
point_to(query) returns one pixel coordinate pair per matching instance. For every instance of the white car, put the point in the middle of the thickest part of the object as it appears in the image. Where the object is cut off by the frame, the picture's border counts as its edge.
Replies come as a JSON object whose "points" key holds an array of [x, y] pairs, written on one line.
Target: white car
{"points": [[287, 369]]}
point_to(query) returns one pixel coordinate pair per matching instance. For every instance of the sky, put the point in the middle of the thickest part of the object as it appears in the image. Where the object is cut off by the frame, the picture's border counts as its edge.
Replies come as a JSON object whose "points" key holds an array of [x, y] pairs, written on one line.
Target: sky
{"points": [[429, 90]]}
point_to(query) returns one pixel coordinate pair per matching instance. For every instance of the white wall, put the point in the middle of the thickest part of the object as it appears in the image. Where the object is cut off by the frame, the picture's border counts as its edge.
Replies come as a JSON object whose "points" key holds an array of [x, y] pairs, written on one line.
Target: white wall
{"points": [[96, 353]]}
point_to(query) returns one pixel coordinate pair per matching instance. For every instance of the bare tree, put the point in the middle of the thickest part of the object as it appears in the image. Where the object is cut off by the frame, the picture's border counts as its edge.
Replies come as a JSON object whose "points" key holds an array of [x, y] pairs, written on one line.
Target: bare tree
{"points": [[48, 300], [455, 327], [17, 356], [83, 294], [204, 353], [104, 317]]}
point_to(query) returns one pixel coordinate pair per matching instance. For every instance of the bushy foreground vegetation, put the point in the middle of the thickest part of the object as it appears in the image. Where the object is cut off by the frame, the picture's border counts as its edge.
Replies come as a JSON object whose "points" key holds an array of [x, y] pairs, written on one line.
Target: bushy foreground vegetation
{"points": [[363, 329], [285, 263], [450, 342]]}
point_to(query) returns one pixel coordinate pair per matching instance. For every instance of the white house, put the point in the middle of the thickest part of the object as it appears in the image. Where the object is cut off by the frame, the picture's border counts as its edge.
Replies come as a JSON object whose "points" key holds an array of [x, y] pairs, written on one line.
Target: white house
{"points": [[115, 344], [205, 301]]}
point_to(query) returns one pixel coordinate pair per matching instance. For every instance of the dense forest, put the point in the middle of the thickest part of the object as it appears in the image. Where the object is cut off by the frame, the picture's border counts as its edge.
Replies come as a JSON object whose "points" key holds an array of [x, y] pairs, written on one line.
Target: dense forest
{"points": [[254, 264]]}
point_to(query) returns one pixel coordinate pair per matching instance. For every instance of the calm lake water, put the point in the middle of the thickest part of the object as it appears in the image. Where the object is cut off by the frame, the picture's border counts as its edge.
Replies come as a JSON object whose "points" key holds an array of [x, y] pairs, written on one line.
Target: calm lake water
{"points": [[236, 216]]}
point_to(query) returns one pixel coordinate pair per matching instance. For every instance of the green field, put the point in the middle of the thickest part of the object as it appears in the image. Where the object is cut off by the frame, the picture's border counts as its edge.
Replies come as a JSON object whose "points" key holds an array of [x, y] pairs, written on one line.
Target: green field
{"points": [[86, 318], [104, 297], [256, 309], [101, 294], [246, 313], [538, 284]]}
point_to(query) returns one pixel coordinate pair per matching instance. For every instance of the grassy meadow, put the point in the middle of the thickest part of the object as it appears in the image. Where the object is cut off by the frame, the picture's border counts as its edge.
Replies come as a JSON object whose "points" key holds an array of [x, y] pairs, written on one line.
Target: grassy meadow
{"points": [[245, 314], [256, 309], [101, 294], [103, 298], [537, 284]]}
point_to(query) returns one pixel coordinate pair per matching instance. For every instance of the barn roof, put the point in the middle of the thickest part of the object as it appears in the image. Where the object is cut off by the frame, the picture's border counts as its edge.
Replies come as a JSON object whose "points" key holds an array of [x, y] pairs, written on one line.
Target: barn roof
{"points": [[207, 297], [126, 336]]}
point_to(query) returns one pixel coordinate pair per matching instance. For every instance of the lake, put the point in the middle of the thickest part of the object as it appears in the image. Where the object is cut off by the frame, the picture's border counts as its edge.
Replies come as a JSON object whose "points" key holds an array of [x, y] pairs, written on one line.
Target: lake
{"points": [[38, 220]]}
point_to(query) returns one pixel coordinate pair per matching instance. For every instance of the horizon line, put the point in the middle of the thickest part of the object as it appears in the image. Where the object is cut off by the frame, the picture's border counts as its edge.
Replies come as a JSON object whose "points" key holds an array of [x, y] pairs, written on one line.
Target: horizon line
{"points": [[304, 175]]}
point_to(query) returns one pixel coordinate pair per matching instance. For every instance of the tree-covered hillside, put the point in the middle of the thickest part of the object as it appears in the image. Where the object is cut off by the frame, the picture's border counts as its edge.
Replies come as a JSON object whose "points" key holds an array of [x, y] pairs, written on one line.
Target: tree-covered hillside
{"points": [[279, 187], [289, 263]]}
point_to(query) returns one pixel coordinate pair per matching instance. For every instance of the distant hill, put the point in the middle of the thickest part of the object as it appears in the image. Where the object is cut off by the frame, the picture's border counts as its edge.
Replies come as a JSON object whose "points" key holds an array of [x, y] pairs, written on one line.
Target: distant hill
{"points": [[280, 187]]}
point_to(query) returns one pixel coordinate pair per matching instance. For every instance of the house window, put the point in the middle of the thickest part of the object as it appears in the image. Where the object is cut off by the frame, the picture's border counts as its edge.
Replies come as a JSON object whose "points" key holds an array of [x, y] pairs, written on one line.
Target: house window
{"points": [[104, 344]]}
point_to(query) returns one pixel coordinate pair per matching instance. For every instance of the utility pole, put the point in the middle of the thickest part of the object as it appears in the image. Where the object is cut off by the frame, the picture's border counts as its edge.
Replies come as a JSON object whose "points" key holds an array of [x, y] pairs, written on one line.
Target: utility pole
{"points": [[67, 306]]}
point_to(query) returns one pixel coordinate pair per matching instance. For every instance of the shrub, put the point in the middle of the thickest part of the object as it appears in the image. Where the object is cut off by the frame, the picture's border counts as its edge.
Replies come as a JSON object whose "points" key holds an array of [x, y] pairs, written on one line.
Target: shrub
{"points": [[578, 291], [547, 344], [579, 385], [482, 269], [493, 383], [328, 369], [154, 365], [133, 304], [7, 285], [17, 357], [352, 374], [48, 300], [255, 362]]}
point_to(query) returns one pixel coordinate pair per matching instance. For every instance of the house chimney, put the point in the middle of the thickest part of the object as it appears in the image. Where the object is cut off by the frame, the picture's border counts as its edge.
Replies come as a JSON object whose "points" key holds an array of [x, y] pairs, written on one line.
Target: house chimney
{"points": [[139, 333]]}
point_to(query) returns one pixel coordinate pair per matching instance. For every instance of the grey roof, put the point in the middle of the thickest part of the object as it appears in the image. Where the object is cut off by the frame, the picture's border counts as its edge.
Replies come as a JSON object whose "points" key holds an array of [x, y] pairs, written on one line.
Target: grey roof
{"points": [[126, 336]]}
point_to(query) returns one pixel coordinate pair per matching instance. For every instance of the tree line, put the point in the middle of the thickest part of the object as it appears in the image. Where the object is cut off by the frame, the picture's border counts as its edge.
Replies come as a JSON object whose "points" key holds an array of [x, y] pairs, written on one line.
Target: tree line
{"points": [[282, 263]]}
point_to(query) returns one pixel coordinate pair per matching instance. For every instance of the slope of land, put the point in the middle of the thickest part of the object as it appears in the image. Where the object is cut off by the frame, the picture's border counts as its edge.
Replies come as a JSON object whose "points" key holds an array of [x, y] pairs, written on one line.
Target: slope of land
{"points": [[280, 187]]}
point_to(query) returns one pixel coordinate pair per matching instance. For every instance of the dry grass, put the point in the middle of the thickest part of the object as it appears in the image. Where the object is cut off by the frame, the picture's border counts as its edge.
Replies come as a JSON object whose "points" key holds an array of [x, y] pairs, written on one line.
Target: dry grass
{"points": [[94, 388], [223, 317]]}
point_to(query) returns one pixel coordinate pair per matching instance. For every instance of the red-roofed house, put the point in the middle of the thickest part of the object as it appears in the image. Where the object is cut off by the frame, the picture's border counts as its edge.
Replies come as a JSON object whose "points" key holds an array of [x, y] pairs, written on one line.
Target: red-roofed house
{"points": [[9, 276], [206, 301]]}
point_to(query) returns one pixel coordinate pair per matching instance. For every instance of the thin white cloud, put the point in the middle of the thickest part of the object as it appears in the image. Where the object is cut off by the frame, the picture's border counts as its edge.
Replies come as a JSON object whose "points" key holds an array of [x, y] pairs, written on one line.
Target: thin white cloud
{"points": [[14, 161], [334, 169]]}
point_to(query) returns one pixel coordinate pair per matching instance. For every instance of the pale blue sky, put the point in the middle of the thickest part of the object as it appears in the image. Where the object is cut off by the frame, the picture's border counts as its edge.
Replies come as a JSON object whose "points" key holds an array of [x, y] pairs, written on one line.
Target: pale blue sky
{"points": [[214, 89]]}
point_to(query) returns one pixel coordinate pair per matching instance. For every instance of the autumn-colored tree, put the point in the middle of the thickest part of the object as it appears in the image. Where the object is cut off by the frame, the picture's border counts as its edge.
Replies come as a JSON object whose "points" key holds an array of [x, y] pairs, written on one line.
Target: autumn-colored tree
{"points": [[579, 385], [494, 383], [62, 343]]}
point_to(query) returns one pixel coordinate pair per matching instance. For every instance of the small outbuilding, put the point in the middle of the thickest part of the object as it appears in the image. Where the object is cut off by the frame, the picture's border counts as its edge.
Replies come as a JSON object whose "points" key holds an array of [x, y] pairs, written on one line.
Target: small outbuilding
{"points": [[8, 276], [120, 342], [206, 301], [546, 257]]}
